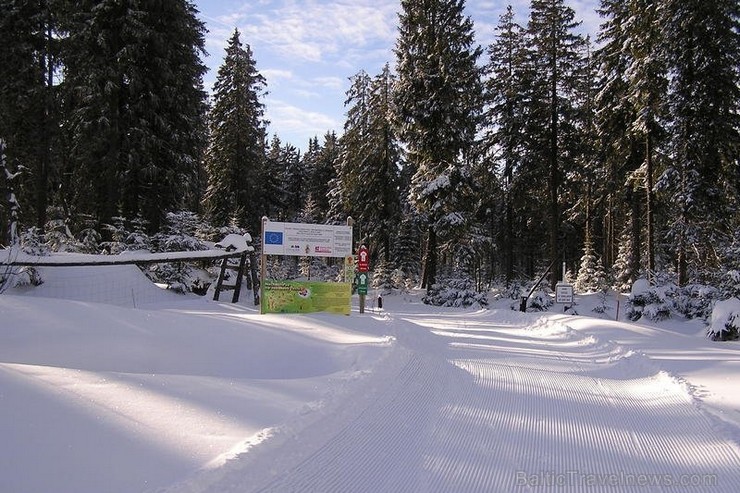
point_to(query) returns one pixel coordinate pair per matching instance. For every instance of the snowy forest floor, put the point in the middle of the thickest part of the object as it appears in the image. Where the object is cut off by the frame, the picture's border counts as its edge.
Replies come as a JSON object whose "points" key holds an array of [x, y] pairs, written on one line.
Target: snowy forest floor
{"points": [[159, 392]]}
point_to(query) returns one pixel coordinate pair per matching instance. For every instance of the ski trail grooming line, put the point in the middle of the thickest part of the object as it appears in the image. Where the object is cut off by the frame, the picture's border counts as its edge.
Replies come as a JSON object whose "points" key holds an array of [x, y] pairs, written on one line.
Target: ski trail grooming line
{"points": [[563, 426], [377, 451], [500, 402]]}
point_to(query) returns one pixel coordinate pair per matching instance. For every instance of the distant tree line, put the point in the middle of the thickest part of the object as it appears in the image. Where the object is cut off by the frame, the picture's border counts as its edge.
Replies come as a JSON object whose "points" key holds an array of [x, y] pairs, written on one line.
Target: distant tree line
{"points": [[488, 162]]}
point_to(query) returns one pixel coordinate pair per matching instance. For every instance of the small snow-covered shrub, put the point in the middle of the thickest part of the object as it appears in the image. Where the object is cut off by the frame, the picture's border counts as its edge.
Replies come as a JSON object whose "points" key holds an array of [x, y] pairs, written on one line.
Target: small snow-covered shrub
{"points": [[539, 301], [693, 301], [647, 301], [177, 235], [455, 292], [33, 242], [730, 284], [725, 324], [18, 277], [602, 306], [382, 279], [514, 291], [403, 281]]}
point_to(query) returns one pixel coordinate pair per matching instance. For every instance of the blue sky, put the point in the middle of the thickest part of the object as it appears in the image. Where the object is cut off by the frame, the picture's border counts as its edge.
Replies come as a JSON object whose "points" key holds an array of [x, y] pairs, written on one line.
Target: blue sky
{"points": [[308, 49]]}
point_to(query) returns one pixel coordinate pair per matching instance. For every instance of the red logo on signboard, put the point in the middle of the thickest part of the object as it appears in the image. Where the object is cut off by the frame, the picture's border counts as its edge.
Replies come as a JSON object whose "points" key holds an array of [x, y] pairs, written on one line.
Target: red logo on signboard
{"points": [[363, 259]]}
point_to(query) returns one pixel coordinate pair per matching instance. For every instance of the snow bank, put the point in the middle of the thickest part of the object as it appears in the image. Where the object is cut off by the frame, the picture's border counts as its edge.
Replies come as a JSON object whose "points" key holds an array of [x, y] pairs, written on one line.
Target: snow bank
{"points": [[97, 397]]}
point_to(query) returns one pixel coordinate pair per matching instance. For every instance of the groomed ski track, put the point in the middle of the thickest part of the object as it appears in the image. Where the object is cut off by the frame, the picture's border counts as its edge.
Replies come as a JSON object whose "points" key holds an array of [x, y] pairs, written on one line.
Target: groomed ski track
{"points": [[493, 401]]}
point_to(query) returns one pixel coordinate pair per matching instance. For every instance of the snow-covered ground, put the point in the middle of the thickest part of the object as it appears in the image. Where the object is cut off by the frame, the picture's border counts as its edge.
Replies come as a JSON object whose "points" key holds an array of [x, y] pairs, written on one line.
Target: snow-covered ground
{"points": [[110, 384]]}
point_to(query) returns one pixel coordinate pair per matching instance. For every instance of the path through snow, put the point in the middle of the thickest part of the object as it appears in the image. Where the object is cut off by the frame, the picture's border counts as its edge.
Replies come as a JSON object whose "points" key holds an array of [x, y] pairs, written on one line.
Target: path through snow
{"points": [[496, 401]]}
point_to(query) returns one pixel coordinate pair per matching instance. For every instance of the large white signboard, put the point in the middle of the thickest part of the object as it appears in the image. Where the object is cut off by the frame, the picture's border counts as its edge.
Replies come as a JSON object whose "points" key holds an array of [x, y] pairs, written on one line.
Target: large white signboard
{"points": [[306, 240]]}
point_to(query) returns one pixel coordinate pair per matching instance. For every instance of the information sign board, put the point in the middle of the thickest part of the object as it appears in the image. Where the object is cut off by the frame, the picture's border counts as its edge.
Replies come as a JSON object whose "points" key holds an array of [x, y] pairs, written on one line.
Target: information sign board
{"points": [[306, 240]]}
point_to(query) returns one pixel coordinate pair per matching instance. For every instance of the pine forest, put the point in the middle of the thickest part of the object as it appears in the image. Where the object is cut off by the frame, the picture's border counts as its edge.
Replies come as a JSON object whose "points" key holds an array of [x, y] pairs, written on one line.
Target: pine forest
{"points": [[615, 153]]}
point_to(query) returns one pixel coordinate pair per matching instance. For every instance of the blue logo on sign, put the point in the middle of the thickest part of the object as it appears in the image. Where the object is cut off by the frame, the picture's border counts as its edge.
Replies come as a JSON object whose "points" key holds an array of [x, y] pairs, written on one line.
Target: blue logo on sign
{"points": [[273, 238]]}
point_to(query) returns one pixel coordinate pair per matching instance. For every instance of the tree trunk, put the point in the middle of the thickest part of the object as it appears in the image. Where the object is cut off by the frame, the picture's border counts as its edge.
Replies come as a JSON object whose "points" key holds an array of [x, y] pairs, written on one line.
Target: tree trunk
{"points": [[636, 259], [42, 176], [509, 242], [429, 276], [649, 204], [553, 158]]}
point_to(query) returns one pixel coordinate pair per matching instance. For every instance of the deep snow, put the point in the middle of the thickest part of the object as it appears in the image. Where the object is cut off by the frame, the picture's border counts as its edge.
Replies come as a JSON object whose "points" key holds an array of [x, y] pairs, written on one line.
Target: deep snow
{"points": [[110, 384]]}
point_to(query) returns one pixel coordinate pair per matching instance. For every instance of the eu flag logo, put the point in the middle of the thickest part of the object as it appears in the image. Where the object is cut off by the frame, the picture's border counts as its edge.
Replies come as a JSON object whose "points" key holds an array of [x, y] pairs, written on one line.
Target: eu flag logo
{"points": [[273, 237]]}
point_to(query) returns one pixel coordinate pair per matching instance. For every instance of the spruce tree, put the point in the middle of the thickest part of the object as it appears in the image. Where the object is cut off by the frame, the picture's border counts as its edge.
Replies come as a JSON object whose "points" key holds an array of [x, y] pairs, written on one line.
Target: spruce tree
{"points": [[377, 197], [235, 160], [556, 55], [29, 104], [438, 100], [648, 81], [273, 176], [617, 147], [294, 177], [324, 172], [702, 51], [348, 186], [504, 141], [587, 280], [135, 106], [370, 160]]}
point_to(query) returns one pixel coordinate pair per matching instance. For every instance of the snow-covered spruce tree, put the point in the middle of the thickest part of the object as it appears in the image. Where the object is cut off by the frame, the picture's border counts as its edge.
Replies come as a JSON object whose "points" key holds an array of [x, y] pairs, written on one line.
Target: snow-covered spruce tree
{"points": [[347, 186], [13, 208], [128, 235], [648, 82], [294, 176], [383, 278], [729, 282], [702, 47], [274, 205], [555, 51], [406, 248], [455, 291], [322, 172], [138, 239], [135, 113], [624, 269], [57, 234], [382, 162], [504, 138], [620, 151], [587, 281], [117, 231], [370, 159], [89, 237], [438, 101], [180, 233], [235, 159], [29, 102]]}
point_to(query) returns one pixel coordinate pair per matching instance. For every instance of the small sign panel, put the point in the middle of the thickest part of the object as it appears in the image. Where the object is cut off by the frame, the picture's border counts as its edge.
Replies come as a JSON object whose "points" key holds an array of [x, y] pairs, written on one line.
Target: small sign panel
{"points": [[564, 294], [363, 259], [363, 279], [349, 268]]}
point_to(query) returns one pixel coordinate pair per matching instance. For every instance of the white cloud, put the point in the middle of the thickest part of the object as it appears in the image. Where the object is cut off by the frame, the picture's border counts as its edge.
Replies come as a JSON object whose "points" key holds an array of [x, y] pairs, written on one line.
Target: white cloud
{"points": [[329, 82], [275, 75], [298, 124], [306, 94], [318, 31]]}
